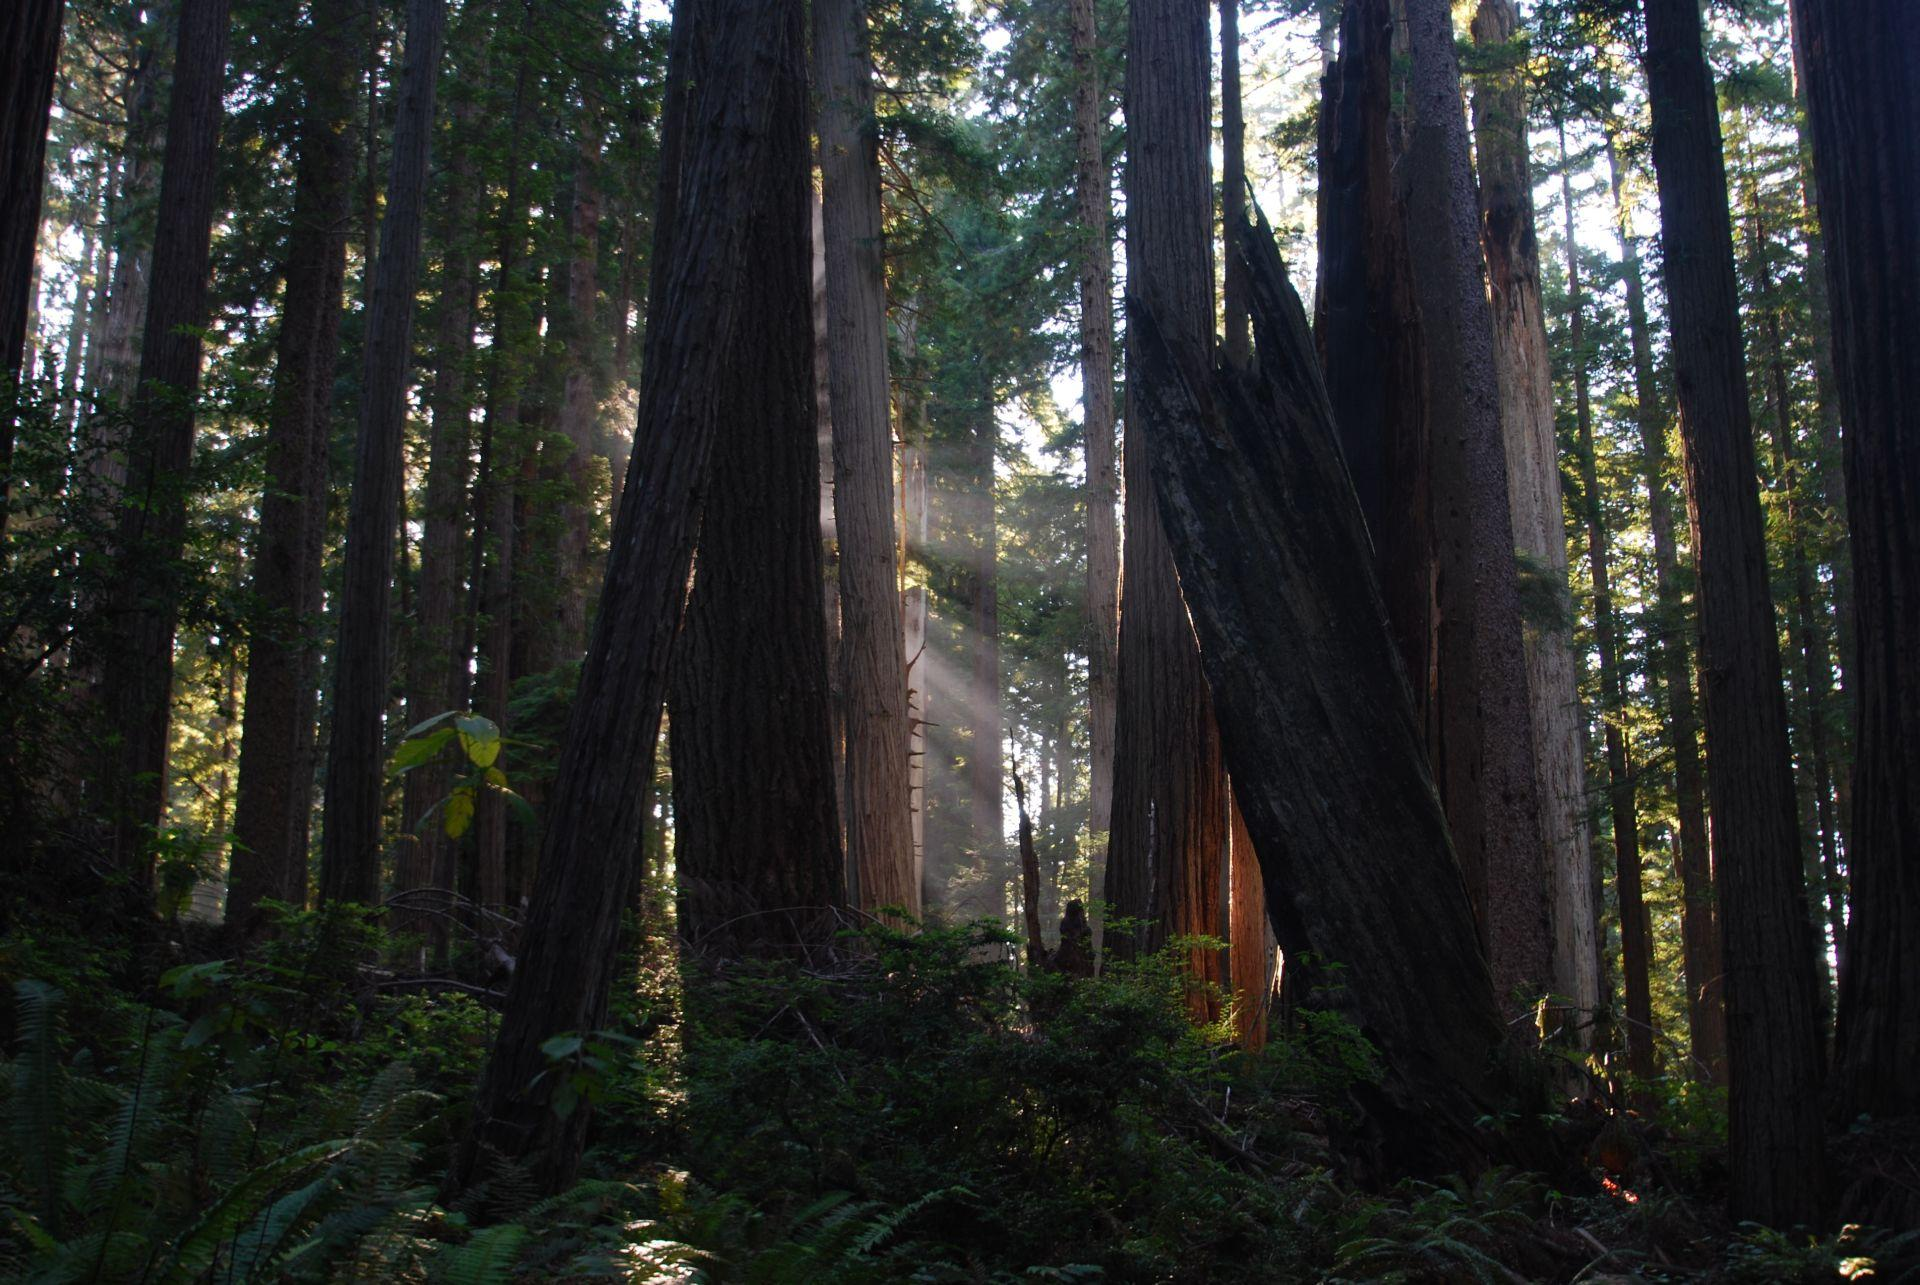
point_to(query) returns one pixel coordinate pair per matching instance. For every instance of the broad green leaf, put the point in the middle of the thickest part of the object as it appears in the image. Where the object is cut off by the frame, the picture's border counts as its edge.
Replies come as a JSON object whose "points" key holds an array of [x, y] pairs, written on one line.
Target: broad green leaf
{"points": [[459, 814], [417, 750], [479, 739]]}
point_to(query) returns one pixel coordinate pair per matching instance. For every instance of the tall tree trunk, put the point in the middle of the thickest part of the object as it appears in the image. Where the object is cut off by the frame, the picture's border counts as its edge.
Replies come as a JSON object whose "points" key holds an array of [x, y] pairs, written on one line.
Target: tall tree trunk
{"points": [[1524, 375], [1238, 327], [1093, 195], [1863, 94], [283, 653], [138, 686], [756, 837], [1773, 1042], [87, 283], [914, 514], [873, 666], [1699, 910], [1636, 945], [30, 37], [350, 846], [580, 401], [986, 782], [1250, 935], [1169, 836], [130, 226], [742, 116], [1485, 722]]}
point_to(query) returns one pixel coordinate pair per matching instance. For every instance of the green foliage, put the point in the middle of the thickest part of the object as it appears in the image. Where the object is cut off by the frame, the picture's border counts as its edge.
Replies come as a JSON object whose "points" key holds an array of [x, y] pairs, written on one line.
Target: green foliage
{"points": [[480, 746]]}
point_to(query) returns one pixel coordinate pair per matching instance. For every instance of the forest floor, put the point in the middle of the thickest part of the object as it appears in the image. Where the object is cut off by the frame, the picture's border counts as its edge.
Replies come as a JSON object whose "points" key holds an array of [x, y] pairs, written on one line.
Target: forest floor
{"points": [[919, 1110]]}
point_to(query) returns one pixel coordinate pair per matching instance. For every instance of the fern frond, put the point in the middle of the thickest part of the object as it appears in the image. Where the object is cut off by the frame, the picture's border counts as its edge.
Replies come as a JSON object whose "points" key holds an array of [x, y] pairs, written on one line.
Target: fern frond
{"points": [[36, 1096], [200, 1245], [487, 1259]]}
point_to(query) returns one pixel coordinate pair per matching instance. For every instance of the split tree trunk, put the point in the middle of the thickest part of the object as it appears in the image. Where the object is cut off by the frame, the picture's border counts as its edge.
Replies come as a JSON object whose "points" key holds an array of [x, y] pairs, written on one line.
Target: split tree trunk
{"points": [[138, 686], [350, 847], [743, 120], [275, 807], [1772, 1037], [873, 665]]}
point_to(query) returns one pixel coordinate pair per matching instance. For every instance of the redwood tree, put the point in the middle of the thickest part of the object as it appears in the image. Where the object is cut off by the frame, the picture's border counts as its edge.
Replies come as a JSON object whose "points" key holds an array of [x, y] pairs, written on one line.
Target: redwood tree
{"points": [[29, 55]]}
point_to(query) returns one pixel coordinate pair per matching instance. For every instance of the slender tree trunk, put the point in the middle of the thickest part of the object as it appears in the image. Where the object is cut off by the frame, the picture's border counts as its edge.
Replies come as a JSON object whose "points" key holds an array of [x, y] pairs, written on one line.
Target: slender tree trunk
{"points": [[874, 684], [914, 512], [1699, 912], [86, 290], [138, 686], [1772, 1038], [275, 808], [1093, 180], [1863, 94], [1238, 327], [1636, 945], [742, 117], [1250, 935], [756, 836], [130, 220], [1524, 375], [1486, 733], [1169, 799], [350, 847], [30, 56], [580, 401], [986, 781]]}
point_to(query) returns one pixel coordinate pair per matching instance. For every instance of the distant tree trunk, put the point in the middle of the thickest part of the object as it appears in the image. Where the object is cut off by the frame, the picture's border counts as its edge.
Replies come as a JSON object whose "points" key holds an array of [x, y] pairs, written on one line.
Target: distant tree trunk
{"points": [[1486, 735], [350, 848], [580, 401], [1342, 811], [437, 676], [1093, 189], [986, 787], [30, 39], [1238, 327], [756, 836], [138, 687], [1250, 935], [1863, 95], [1164, 866], [283, 652], [1524, 375], [914, 513], [745, 134], [1699, 912], [1636, 945], [873, 666], [129, 229], [1773, 1040], [86, 290]]}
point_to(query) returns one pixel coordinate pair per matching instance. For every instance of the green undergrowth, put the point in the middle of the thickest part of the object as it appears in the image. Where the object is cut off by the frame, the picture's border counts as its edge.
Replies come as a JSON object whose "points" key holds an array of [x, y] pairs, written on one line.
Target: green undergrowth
{"points": [[915, 1110]]}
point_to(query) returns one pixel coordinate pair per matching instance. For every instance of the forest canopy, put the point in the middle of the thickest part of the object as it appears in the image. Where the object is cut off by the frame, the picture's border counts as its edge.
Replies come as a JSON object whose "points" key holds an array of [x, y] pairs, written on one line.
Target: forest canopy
{"points": [[960, 640]]}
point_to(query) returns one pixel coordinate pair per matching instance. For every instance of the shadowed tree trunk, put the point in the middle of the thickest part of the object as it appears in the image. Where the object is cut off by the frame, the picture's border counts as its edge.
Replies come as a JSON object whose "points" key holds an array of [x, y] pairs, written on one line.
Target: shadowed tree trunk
{"points": [[1699, 929], [356, 760], [743, 120], [1093, 190], [1863, 96], [1773, 1042], [30, 39], [138, 688], [1525, 379], [1636, 946], [873, 663], [574, 579], [283, 647], [1169, 841]]}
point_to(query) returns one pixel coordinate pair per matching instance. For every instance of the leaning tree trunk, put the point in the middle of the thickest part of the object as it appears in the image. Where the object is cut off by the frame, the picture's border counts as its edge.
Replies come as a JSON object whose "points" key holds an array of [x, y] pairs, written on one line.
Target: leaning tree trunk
{"points": [[1863, 96], [144, 599], [283, 654], [1773, 1041], [1635, 928], [1093, 193], [356, 753], [1316, 715], [1524, 374], [1164, 866], [1486, 762], [873, 663], [756, 836], [745, 133], [1699, 913], [30, 55]]}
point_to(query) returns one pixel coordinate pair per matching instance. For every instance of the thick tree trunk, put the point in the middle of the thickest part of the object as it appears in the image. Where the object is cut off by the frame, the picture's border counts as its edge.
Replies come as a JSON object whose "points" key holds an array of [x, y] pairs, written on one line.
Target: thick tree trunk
{"points": [[1524, 374], [1093, 190], [29, 55], [873, 666], [1699, 912], [138, 686], [1636, 945], [1863, 95], [743, 119], [1249, 934], [1486, 761], [756, 837], [1772, 1038], [1169, 835], [350, 847], [283, 653], [1332, 774]]}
